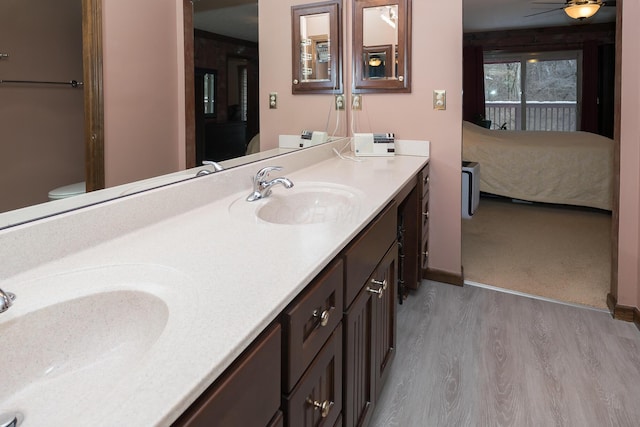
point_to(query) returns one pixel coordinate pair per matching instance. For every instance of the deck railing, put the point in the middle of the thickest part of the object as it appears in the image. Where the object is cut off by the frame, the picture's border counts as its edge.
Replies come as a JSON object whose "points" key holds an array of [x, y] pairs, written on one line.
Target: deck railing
{"points": [[556, 116]]}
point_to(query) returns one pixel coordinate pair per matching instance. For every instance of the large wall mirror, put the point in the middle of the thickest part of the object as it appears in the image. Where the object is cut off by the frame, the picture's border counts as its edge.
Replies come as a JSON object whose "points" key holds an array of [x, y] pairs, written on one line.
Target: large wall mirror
{"points": [[317, 48], [219, 17], [381, 46]]}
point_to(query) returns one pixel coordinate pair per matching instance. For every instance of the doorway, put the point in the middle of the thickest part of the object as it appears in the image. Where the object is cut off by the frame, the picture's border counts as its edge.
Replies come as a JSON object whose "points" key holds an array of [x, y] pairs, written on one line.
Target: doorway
{"points": [[607, 243]]}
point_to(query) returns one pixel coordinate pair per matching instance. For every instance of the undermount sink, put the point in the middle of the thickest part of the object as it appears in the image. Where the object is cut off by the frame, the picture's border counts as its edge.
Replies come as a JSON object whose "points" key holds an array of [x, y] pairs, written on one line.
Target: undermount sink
{"points": [[84, 332], [304, 203]]}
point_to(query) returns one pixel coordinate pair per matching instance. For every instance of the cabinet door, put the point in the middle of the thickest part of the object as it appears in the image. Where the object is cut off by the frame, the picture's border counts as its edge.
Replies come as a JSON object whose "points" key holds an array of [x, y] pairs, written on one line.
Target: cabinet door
{"points": [[384, 318], [247, 394], [424, 222], [358, 361], [316, 400], [409, 240]]}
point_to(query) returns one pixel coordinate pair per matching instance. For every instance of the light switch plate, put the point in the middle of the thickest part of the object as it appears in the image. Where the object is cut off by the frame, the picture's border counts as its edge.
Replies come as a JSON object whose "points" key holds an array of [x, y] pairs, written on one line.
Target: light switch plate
{"points": [[273, 100], [439, 99]]}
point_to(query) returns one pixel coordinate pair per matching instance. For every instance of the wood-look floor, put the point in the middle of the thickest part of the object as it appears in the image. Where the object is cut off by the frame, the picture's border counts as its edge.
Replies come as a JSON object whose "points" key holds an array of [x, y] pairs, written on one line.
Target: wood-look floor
{"points": [[476, 357]]}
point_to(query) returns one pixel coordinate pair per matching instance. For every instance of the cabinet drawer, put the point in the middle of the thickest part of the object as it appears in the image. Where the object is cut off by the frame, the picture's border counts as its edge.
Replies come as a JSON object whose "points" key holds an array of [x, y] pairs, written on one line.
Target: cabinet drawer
{"points": [[366, 250], [320, 387], [247, 394], [310, 320]]}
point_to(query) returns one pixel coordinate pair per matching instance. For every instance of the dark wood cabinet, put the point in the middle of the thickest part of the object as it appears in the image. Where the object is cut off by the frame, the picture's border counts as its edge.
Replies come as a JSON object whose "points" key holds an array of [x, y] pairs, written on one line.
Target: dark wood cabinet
{"points": [[247, 394], [384, 319], [358, 362], [424, 222], [370, 340], [317, 398], [369, 321], [409, 238], [310, 320]]}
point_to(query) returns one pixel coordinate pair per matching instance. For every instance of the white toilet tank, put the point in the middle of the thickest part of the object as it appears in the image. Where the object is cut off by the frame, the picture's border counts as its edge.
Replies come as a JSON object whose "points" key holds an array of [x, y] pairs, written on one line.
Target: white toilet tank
{"points": [[67, 191]]}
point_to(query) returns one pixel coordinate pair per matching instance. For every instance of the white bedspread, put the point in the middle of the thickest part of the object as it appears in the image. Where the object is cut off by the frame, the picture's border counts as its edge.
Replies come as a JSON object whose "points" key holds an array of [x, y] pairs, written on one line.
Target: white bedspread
{"points": [[572, 168]]}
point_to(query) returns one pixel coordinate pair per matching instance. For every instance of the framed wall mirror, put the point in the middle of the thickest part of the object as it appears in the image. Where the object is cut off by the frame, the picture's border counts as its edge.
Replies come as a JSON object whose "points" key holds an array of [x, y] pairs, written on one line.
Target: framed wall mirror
{"points": [[316, 32], [381, 46]]}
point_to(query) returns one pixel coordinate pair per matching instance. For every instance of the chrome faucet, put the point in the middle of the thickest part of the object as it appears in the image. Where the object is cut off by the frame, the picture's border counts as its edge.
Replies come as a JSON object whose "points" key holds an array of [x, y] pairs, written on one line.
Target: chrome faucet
{"points": [[217, 167], [262, 187], [6, 300]]}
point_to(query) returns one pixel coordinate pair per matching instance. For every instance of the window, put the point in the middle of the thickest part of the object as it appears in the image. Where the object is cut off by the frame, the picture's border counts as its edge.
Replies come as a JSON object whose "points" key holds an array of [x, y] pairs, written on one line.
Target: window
{"points": [[244, 90], [533, 91], [210, 93]]}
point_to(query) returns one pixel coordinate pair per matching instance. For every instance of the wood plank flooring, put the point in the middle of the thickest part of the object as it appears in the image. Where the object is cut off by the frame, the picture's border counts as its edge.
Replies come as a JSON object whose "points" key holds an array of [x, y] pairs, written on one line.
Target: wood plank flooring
{"points": [[476, 357]]}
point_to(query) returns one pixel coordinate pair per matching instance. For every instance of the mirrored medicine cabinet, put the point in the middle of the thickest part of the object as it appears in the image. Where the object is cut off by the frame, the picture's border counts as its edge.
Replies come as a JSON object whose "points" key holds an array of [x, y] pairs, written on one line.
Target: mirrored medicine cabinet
{"points": [[381, 46], [317, 47]]}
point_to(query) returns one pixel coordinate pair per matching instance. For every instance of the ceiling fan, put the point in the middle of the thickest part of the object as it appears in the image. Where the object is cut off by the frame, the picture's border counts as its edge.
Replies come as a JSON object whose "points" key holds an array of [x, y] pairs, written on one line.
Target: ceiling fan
{"points": [[577, 9]]}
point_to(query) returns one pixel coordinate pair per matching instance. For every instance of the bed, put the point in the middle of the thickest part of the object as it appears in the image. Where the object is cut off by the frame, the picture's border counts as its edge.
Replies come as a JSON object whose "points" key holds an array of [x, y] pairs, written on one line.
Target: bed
{"points": [[569, 168]]}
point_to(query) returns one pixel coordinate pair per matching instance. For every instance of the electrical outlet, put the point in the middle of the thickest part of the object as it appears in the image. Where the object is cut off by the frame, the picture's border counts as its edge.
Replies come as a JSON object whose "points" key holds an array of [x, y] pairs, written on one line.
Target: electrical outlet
{"points": [[339, 102], [273, 100], [439, 99], [356, 102]]}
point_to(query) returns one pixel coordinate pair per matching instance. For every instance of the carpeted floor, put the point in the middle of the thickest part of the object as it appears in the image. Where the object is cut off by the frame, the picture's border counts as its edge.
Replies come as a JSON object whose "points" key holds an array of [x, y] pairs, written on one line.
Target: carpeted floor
{"points": [[548, 251]]}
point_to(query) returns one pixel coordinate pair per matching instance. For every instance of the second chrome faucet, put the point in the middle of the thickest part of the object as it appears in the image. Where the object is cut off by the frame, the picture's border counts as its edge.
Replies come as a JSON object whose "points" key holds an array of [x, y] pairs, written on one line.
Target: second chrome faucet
{"points": [[262, 187]]}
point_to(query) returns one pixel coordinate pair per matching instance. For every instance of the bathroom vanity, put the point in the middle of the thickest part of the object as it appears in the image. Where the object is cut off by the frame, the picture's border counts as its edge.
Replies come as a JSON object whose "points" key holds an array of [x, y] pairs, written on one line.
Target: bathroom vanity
{"points": [[210, 310]]}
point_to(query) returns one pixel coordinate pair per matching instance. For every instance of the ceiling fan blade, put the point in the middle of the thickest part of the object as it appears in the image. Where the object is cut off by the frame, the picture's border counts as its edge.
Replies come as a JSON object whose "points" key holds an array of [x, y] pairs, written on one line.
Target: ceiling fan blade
{"points": [[543, 12]]}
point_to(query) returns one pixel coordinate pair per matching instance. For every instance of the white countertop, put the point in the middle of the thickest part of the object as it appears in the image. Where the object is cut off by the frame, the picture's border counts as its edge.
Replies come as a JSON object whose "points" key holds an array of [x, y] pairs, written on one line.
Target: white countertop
{"points": [[232, 277]]}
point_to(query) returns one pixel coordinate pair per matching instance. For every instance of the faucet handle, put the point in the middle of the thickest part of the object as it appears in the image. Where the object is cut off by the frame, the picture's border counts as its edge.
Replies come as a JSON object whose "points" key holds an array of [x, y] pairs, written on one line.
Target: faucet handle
{"points": [[264, 172], [6, 300], [217, 167]]}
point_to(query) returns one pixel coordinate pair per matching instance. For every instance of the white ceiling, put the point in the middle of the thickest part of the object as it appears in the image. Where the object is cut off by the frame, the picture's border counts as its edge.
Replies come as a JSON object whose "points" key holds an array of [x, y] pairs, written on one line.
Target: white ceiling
{"points": [[239, 18], [489, 15]]}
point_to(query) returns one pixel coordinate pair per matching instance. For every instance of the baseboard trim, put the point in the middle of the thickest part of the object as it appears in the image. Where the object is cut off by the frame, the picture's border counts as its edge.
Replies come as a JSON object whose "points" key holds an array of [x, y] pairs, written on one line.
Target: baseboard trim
{"points": [[444, 276], [623, 312]]}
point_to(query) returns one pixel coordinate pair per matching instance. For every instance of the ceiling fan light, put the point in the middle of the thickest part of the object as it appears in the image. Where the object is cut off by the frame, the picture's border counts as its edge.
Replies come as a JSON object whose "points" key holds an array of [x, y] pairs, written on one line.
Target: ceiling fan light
{"points": [[582, 10]]}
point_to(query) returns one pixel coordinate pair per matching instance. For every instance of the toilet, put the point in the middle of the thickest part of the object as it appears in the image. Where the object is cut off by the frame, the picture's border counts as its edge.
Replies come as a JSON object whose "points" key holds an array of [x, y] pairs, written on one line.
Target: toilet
{"points": [[67, 191]]}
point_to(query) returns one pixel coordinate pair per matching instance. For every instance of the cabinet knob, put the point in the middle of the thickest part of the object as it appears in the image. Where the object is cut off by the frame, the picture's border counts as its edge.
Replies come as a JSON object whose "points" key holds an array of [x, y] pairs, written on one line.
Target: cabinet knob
{"points": [[380, 290], [324, 407], [426, 180], [425, 214], [322, 316], [425, 253]]}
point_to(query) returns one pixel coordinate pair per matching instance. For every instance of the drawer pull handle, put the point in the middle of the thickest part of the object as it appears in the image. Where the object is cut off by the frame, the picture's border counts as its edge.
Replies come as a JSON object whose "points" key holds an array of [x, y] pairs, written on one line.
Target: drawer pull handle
{"points": [[380, 290], [426, 253], [322, 316], [324, 407], [425, 214]]}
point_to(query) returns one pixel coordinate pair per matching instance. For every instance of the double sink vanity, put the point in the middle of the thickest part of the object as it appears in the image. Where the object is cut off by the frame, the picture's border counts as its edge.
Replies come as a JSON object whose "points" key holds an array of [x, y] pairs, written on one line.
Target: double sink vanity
{"points": [[187, 305]]}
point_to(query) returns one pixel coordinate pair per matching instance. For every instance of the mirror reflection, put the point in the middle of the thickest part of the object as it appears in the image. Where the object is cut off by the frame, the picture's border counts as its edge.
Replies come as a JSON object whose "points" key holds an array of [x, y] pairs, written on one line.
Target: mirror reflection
{"points": [[380, 42], [222, 101], [315, 56], [316, 49], [381, 46]]}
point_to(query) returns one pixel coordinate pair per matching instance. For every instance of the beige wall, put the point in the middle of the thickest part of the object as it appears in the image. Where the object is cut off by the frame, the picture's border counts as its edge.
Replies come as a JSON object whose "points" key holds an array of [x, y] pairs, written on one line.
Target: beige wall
{"points": [[294, 113], [437, 64], [143, 89], [41, 127], [629, 236]]}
